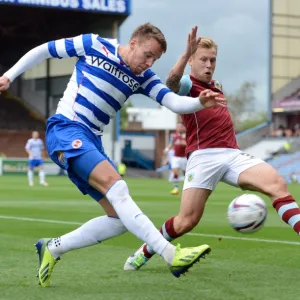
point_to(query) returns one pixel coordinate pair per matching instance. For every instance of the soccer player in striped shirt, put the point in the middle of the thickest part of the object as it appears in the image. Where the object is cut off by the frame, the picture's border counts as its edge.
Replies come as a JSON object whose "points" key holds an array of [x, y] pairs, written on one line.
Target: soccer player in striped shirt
{"points": [[106, 74]]}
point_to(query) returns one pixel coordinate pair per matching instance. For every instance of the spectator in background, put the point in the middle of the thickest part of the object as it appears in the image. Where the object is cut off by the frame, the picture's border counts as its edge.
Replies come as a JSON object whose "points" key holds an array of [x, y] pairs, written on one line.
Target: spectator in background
{"points": [[280, 131], [296, 130], [294, 178]]}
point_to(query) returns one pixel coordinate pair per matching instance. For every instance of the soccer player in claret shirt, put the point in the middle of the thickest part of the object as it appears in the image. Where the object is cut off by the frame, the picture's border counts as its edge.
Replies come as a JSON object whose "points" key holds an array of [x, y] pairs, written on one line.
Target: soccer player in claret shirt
{"points": [[106, 74], [178, 162], [35, 148], [213, 153]]}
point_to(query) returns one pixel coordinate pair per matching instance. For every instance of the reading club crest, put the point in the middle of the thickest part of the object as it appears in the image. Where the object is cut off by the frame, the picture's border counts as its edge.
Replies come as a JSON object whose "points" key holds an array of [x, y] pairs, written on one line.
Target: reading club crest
{"points": [[76, 144]]}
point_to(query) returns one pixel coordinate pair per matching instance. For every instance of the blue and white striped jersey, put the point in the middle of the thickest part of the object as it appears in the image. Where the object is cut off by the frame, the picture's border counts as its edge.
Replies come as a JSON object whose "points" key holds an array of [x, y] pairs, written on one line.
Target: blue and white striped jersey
{"points": [[35, 146], [101, 82]]}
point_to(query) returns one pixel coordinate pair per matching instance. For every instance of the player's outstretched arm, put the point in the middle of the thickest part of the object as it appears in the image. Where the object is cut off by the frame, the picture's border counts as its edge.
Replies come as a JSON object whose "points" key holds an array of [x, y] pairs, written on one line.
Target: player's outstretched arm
{"points": [[153, 87], [187, 105], [173, 80], [63, 48], [29, 60]]}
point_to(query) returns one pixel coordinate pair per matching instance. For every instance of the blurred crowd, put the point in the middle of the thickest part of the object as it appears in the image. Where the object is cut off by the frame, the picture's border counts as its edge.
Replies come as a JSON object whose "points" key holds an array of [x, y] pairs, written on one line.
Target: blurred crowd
{"points": [[282, 131]]}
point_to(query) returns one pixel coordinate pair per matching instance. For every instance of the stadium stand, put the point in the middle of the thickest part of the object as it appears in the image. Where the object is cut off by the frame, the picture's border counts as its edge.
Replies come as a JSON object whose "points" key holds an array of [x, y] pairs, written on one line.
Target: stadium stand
{"points": [[264, 148], [12, 142], [287, 165], [16, 124], [14, 115]]}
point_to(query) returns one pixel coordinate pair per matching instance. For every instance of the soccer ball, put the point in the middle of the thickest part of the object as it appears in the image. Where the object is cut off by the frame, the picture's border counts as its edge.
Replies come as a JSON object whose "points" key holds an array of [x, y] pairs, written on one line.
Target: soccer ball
{"points": [[247, 213]]}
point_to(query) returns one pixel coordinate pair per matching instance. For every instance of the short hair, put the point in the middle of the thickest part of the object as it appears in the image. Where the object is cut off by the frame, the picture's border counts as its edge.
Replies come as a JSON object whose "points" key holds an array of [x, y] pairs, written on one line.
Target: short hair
{"points": [[207, 43], [148, 31]]}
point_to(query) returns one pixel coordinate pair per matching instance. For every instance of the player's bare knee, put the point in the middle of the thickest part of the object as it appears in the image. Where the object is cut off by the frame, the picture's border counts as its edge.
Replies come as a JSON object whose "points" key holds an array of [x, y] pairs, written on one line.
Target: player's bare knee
{"points": [[111, 180]]}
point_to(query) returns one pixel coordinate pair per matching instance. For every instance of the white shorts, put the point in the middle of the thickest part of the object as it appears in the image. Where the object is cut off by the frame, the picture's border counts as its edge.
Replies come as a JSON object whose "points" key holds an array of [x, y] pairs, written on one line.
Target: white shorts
{"points": [[206, 167], [178, 162]]}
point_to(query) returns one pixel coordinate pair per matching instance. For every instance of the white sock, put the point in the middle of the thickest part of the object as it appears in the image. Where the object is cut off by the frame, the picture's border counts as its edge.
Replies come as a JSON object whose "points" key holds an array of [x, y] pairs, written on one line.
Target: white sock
{"points": [[137, 222], [30, 177], [170, 176], [42, 176], [90, 233]]}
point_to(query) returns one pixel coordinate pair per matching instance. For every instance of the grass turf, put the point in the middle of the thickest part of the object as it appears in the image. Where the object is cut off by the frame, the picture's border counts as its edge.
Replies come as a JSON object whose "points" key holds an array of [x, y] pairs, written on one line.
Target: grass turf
{"points": [[236, 269]]}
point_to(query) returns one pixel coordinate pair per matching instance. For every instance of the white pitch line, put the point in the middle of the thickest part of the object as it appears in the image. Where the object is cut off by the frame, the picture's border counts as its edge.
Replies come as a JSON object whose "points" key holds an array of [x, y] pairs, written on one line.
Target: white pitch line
{"points": [[39, 220], [192, 233], [229, 237]]}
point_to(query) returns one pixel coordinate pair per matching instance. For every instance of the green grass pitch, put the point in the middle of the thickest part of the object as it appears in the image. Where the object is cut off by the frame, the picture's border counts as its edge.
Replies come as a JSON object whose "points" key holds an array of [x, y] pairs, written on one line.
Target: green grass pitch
{"points": [[262, 266]]}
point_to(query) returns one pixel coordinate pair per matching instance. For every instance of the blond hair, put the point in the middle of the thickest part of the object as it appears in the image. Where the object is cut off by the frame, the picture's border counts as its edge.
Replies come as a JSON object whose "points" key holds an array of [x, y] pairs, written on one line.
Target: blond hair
{"points": [[148, 31], [208, 43]]}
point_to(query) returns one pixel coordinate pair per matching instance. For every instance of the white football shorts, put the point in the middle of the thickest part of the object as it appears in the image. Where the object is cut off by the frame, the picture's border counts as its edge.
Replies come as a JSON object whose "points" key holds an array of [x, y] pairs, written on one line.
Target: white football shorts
{"points": [[178, 163], [206, 167]]}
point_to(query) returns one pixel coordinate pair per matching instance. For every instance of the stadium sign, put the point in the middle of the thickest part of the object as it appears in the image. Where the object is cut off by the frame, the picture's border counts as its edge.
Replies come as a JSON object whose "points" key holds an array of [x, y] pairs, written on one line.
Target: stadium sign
{"points": [[103, 6], [20, 166], [289, 104]]}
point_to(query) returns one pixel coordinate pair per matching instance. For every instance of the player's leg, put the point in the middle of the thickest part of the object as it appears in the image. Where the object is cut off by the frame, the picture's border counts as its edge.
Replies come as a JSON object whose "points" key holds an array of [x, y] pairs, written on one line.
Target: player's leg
{"points": [[175, 178], [94, 231], [105, 179], [30, 172], [92, 166], [256, 175], [194, 197], [199, 182], [42, 173], [170, 172], [192, 207], [265, 179], [90, 233], [183, 164]]}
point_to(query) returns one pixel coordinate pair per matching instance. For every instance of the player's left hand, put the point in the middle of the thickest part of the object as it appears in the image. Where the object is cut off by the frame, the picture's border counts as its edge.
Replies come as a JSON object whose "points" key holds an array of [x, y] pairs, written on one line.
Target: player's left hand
{"points": [[208, 98], [4, 83]]}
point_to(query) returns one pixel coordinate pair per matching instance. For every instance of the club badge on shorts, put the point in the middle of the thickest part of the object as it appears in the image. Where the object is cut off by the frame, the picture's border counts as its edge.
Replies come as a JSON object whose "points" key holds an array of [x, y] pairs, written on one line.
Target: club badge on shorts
{"points": [[76, 144], [190, 176]]}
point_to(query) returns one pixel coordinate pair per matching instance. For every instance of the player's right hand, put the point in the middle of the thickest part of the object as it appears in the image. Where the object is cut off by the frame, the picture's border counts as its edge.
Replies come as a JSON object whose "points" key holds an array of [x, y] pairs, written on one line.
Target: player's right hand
{"points": [[208, 98], [4, 83], [192, 42]]}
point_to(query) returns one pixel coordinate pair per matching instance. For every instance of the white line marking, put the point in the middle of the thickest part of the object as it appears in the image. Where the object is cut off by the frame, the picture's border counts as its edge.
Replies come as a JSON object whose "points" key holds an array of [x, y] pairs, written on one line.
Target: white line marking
{"points": [[192, 233], [229, 237], [39, 220]]}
